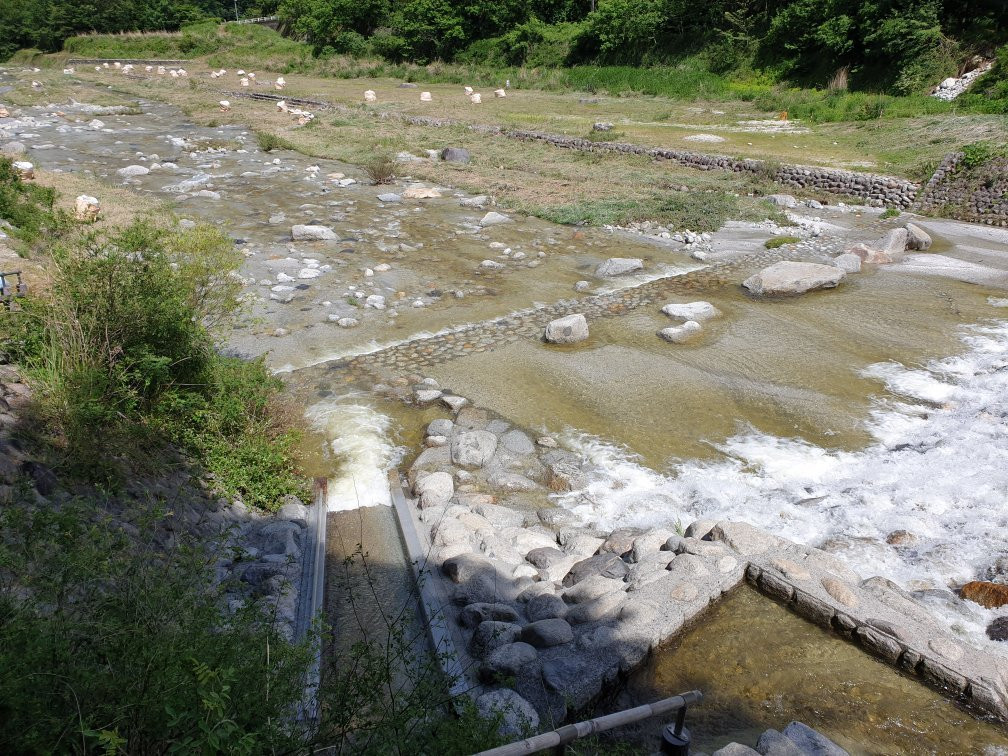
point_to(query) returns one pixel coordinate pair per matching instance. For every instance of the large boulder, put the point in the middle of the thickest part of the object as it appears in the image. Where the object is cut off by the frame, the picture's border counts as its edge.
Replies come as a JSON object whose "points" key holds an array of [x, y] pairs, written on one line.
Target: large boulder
{"points": [[917, 238], [848, 262], [435, 489], [811, 742], [569, 329], [473, 448], [791, 278], [509, 660], [619, 266], [312, 233], [782, 200], [546, 633], [604, 565], [991, 595], [517, 715], [455, 155]]}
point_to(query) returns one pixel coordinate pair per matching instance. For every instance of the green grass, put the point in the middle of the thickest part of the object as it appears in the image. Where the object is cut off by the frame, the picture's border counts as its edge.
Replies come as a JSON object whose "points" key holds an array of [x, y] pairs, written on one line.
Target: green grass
{"points": [[250, 46], [269, 141], [779, 241], [29, 209], [890, 212]]}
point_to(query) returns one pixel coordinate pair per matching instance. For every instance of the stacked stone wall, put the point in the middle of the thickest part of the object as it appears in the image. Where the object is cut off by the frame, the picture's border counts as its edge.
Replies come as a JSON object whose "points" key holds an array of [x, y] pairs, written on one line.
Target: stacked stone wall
{"points": [[977, 195]]}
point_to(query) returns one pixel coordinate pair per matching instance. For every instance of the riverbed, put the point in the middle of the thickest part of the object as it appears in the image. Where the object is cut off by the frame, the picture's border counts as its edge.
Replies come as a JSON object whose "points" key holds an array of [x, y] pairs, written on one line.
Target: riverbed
{"points": [[837, 419]]}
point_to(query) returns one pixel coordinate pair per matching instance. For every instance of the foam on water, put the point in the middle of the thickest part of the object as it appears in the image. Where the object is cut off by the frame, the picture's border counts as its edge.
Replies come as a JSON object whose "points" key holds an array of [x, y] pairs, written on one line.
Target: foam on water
{"points": [[938, 470], [359, 438]]}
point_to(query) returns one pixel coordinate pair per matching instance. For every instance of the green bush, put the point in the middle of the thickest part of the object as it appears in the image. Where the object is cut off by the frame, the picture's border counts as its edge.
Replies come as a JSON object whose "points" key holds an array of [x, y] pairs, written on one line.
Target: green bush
{"points": [[111, 644], [268, 141], [29, 208], [120, 342], [779, 241]]}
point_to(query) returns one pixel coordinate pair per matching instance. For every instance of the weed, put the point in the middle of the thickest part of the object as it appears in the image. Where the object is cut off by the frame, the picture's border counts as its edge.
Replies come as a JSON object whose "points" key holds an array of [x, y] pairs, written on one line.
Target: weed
{"points": [[890, 212], [268, 142], [779, 241], [380, 169]]}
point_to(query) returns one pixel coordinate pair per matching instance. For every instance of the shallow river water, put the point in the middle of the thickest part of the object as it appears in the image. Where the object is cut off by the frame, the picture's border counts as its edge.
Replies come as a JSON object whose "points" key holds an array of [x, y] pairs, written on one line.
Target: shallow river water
{"points": [[835, 419]]}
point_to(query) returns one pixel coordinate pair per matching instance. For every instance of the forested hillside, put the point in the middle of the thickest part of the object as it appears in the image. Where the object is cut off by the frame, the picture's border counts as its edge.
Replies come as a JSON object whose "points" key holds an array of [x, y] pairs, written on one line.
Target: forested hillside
{"points": [[894, 46], [45, 24]]}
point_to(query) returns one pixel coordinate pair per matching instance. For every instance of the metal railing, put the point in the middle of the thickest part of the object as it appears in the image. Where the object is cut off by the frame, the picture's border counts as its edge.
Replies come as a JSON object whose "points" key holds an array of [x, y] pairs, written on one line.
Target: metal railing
{"points": [[9, 290], [675, 737]]}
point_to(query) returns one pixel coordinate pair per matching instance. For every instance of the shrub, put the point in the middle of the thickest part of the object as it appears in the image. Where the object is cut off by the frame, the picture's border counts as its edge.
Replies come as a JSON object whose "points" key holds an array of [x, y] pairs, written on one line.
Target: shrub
{"points": [[268, 142], [380, 169], [890, 212], [29, 208], [779, 241]]}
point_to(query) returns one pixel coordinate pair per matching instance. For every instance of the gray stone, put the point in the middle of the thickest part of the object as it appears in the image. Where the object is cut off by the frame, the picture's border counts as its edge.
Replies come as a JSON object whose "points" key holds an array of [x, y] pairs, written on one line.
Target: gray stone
{"points": [[545, 556], [621, 541], [464, 567], [543, 607], [603, 565], [546, 633], [747, 539], [917, 238], [509, 660], [473, 448], [734, 749], [563, 471], [894, 243], [292, 509], [455, 155], [619, 266], [782, 200], [592, 588], [13, 149], [698, 311], [478, 201], [498, 516], [133, 170], [774, 743], [435, 489], [791, 278], [493, 219], [517, 442], [848, 262], [569, 329], [312, 233], [440, 427], [473, 614], [390, 197], [491, 634], [280, 537], [510, 481], [681, 334], [518, 716]]}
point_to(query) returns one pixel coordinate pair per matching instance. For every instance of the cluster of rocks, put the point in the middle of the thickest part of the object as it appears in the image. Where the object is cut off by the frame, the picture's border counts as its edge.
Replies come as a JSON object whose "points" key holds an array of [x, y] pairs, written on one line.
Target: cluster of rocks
{"points": [[551, 613], [950, 88], [790, 278], [797, 739], [979, 195]]}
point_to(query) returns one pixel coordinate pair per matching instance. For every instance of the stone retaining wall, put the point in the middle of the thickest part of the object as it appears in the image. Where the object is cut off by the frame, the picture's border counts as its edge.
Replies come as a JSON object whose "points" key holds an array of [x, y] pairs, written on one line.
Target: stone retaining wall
{"points": [[881, 190], [979, 195]]}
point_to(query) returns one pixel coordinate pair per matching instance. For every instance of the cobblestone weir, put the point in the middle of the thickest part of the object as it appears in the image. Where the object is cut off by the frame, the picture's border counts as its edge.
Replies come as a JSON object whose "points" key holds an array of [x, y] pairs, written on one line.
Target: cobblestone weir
{"points": [[484, 336]]}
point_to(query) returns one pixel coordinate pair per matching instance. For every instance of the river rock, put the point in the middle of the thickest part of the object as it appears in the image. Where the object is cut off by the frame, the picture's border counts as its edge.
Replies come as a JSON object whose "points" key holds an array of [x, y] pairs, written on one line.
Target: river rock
{"points": [[735, 749], [473, 614], [517, 442], [545, 606], [479, 200], [517, 715], [681, 334], [547, 633], [13, 149], [312, 233], [791, 278], [811, 742], [917, 238], [869, 255], [421, 192], [569, 329], [619, 266], [435, 489], [493, 219], [491, 634], [455, 155], [133, 170], [774, 743], [698, 311], [848, 262], [86, 208], [997, 630], [389, 197], [990, 595], [509, 660], [602, 565], [474, 448], [24, 169], [782, 200]]}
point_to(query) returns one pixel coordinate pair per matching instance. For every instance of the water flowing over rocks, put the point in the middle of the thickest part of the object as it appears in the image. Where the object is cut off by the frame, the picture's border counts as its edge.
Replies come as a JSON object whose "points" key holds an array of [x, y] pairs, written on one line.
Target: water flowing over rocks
{"points": [[791, 278]]}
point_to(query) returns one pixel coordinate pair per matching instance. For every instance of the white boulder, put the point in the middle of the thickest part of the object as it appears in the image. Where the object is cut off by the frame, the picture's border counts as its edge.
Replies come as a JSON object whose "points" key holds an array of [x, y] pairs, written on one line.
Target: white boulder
{"points": [[791, 278], [569, 329], [312, 233], [619, 266]]}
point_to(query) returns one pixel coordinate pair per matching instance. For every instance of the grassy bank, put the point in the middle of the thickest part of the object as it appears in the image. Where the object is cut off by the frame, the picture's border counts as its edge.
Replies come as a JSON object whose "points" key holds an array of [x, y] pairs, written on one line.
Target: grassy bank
{"points": [[254, 47]]}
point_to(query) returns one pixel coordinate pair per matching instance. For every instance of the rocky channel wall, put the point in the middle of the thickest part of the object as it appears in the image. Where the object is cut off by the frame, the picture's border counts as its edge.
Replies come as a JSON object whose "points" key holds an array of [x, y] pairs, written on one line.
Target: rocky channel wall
{"points": [[978, 195], [549, 614]]}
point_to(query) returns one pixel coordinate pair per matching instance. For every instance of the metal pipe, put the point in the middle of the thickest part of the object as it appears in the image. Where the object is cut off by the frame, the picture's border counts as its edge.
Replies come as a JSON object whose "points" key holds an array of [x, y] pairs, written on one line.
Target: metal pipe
{"points": [[572, 732]]}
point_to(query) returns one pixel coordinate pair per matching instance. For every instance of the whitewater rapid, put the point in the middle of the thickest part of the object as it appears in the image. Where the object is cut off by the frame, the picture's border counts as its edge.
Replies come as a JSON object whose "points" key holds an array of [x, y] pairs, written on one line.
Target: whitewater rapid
{"points": [[937, 468]]}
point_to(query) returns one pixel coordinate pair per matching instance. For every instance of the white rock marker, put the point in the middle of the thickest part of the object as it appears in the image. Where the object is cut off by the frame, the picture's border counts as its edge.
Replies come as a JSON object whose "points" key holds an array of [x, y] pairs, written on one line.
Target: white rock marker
{"points": [[426, 97]]}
